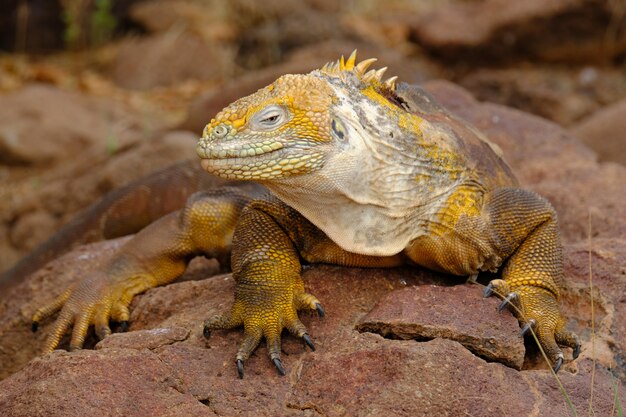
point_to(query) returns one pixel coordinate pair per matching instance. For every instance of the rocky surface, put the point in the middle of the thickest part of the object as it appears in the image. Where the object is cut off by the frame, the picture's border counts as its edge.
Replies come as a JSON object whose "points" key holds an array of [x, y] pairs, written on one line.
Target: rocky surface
{"points": [[495, 30], [603, 131], [415, 313], [164, 366], [59, 158]]}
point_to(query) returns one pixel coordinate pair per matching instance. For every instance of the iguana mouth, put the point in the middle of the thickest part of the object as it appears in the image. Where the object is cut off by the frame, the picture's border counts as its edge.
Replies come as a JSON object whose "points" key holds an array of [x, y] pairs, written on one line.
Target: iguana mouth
{"points": [[238, 150]]}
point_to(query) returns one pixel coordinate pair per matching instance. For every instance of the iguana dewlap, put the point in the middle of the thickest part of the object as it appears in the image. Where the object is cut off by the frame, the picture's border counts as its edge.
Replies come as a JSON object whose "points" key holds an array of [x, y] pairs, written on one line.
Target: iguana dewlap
{"points": [[363, 172]]}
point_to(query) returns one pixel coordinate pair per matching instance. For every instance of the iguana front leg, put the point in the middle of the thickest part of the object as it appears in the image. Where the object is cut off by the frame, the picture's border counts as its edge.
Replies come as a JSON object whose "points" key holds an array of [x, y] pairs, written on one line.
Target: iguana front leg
{"points": [[155, 256], [270, 240]]}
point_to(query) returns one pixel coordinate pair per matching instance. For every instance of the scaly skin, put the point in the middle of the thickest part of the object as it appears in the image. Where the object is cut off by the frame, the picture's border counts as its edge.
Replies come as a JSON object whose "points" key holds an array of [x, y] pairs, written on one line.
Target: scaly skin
{"points": [[364, 173]]}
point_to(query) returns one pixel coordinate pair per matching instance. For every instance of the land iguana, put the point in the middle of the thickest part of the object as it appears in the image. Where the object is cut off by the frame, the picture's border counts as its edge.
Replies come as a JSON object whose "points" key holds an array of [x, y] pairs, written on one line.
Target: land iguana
{"points": [[362, 172]]}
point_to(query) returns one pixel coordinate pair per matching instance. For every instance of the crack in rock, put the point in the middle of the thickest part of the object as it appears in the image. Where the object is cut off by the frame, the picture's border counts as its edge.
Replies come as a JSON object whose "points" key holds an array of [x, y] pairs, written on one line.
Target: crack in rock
{"points": [[428, 312]]}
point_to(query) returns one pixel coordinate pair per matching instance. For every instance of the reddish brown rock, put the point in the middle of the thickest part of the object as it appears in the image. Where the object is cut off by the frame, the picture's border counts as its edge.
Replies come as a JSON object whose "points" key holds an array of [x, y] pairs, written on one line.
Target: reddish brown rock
{"points": [[139, 63], [603, 132], [438, 377], [128, 382], [66, 123], [144, 339], [500, 30], [605, 259], [563, 95], [424, 313]]}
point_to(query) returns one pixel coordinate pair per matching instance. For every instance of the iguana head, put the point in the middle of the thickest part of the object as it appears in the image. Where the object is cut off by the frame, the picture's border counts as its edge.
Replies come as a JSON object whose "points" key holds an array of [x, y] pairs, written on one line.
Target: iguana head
{"points": [[295, 125], [367, 162]]}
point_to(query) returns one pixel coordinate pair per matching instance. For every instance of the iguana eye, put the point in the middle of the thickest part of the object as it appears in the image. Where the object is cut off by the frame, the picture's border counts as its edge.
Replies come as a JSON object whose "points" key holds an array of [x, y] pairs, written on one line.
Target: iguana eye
{"points": [[269, 118]]}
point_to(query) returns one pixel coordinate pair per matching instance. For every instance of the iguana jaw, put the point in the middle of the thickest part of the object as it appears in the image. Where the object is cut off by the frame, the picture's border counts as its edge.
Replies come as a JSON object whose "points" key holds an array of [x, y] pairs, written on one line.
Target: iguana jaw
{"points": [[258, 160]]}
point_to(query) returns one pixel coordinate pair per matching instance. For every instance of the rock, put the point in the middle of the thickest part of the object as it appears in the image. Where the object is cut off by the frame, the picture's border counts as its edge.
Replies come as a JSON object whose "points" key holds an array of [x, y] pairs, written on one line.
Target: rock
{"points": [[423, 313], [603, 131], [144, 339], [500, 31], [77, 183], [130, 382], [165, 58], [437, 377], [563, 95], [164, 15], [40, 124], [31, 229], [606, 259]]}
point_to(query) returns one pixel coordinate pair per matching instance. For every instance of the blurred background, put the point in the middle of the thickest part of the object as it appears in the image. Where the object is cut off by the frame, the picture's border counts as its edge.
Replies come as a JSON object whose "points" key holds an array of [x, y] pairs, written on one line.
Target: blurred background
{"points": [[96, 93]]}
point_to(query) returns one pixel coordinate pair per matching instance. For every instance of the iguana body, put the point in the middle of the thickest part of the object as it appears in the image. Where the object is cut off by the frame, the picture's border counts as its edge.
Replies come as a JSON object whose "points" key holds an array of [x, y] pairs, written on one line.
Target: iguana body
{"points": [[363, 173]]}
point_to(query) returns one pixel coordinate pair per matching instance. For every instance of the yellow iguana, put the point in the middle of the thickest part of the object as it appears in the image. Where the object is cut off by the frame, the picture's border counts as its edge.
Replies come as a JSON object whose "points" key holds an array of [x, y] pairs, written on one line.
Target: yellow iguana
{"points": [[362, 172]]}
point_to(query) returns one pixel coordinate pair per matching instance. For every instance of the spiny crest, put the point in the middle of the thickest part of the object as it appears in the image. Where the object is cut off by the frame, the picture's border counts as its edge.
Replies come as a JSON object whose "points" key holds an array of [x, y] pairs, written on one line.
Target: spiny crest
{"points": [[372, 77]]}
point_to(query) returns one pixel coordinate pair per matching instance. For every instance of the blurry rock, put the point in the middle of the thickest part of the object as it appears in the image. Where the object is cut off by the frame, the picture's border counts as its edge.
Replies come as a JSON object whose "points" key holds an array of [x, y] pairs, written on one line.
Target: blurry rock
{"points": [[77, 182], [43, 124], [502, 31], [157, 150], [166, 58], [427, 312], [603, 132], [277, 37], [31, 229], [163, 15], [562, 95]]}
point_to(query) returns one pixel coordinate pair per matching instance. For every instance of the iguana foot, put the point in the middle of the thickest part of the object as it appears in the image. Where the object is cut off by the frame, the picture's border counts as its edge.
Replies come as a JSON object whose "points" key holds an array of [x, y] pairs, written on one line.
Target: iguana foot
{"points": [[536, 308], [95, 301], [265, 314]]}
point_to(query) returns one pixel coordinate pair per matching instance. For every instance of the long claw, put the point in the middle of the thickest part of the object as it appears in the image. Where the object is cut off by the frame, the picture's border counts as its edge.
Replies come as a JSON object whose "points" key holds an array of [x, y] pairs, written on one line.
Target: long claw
{"points": [[308, 341], [512, 296], [206, 332], [488, 291], [576, 351], [558, 363], [530, 324], [240, 368], [34, 326], [279, 366], [320, 310]]}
